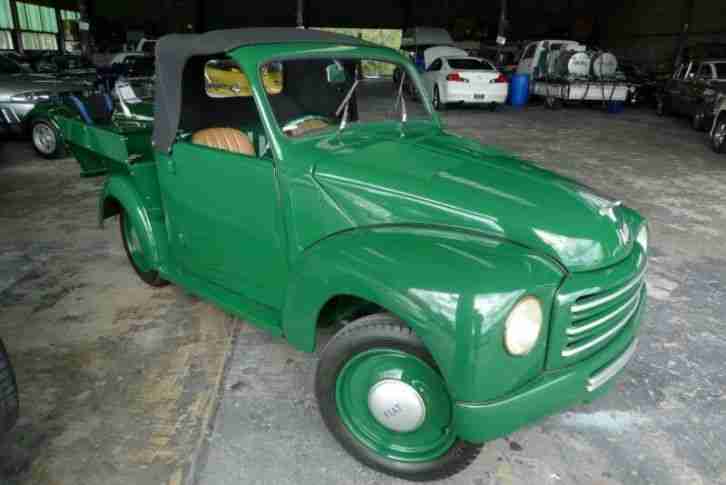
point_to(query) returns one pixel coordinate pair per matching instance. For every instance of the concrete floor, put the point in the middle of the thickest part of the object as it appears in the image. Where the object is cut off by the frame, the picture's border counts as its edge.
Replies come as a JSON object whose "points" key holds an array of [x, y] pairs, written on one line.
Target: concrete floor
{"points": [[118, 380], [666, 422]]}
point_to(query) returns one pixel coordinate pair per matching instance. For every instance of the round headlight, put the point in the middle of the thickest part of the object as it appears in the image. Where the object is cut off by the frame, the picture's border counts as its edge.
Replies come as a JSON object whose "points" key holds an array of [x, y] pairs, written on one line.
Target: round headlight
{"points": [[643, 238], [523, 326]]}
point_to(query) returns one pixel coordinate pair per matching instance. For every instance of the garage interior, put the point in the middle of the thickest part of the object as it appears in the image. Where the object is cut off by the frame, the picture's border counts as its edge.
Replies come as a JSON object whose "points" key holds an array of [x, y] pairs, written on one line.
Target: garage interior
{"points": [[123, 383]]}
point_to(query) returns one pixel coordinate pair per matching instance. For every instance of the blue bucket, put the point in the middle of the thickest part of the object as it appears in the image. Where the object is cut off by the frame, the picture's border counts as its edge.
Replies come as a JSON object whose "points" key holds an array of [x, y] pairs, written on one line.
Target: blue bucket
{"points": [[519, 89]]}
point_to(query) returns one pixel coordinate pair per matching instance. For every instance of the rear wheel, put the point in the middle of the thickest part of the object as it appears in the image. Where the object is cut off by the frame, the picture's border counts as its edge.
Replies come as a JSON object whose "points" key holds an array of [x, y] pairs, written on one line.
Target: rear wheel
{"points": [[46, 140], [135, 252], [553, 103], [9, 403], [493, 107], [382, 397], [718, 137]]}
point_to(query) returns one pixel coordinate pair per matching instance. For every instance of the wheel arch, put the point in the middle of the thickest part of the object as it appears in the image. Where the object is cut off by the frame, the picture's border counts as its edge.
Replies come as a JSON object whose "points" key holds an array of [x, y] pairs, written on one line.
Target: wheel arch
{"points": [[119, 194], [414, 274]]}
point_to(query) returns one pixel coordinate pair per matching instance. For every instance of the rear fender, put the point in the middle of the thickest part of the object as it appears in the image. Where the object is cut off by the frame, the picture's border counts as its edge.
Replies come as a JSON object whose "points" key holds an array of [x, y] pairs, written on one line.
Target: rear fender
{"points": [[453, 289], [118, 194]]}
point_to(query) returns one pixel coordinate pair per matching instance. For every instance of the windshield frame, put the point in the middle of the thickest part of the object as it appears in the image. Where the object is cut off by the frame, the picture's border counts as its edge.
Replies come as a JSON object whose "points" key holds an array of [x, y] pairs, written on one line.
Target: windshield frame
{"points": [[720, 70], [252, 58]]}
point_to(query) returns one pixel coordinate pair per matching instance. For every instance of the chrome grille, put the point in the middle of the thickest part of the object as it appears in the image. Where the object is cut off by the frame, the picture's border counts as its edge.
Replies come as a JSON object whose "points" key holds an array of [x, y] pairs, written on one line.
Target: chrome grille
{"points": [[595, 318]]}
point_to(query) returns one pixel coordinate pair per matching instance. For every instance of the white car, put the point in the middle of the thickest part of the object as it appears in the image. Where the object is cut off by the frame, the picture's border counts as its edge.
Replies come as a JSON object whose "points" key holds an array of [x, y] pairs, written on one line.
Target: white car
{"points": [[464, 79]]}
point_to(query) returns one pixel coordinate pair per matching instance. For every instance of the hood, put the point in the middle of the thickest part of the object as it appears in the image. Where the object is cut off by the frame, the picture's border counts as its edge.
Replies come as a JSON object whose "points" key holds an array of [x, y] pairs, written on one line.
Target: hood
{"points": [[23, 83], [446, 180]]}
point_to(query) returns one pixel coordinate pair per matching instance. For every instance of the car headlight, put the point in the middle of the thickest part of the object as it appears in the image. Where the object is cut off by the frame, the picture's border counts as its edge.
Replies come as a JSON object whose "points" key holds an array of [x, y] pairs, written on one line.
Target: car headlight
{"points": [[642, 238], [523, 326], [31, 97]]}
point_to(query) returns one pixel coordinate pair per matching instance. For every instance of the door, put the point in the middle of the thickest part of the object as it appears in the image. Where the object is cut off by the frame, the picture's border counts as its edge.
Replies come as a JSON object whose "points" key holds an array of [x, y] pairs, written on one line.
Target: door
{"points": [[224, 218], [694, 93], [681, 88], [526, 62]]}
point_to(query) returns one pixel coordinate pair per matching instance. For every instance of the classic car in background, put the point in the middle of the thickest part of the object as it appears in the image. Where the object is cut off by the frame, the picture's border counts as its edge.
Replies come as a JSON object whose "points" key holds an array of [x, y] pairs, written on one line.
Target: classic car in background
{"points": [[21, 90], [434, 282], [692, 91], [455, 78]]}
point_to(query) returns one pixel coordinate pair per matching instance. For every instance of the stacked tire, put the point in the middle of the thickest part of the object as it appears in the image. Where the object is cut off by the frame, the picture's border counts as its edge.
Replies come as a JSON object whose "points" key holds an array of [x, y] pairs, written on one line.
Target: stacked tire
{"points": [[9, 404]]}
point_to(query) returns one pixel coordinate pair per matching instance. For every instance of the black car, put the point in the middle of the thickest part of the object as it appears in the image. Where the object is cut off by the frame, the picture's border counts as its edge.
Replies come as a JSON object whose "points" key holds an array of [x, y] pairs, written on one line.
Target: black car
{"points": [[692, 91]]}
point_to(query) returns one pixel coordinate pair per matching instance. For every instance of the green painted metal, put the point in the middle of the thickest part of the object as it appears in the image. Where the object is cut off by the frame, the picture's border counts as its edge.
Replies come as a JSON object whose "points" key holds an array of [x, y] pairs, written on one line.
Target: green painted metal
{"points": [[444, 232], [432, 439]]}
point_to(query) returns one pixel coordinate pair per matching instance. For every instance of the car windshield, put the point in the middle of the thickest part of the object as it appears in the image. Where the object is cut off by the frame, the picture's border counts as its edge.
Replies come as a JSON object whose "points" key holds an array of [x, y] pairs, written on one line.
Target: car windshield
{"points": [[720, 70], [322, 94], [470, 64]]}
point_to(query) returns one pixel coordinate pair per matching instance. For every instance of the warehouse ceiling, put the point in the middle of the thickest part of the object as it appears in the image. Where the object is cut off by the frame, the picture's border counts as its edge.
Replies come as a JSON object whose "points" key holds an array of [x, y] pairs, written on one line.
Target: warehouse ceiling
{"points": [[463, 18]]}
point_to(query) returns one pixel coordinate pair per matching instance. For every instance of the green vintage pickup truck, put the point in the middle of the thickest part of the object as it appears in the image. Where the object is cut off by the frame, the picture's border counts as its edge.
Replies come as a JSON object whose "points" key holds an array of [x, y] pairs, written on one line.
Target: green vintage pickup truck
{"points": [[286, 181]]}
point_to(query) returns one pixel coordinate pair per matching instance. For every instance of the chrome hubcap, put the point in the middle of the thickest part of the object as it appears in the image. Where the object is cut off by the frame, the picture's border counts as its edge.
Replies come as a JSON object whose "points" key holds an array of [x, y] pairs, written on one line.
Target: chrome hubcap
{"points": [[44, 138], [720, 134], [396, 405]]}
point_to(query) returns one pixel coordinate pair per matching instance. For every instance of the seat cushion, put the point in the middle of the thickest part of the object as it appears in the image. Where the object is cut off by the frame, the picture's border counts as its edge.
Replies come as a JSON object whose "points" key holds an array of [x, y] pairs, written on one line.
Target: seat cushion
{"points": [[229, 139]]}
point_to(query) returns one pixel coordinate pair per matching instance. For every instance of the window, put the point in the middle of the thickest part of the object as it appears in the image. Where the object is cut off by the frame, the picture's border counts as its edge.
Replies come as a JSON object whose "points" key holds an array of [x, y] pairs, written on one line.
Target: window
{"points": [[529, 52], [69, 22], [436, 65], [38, 25], [6, 25], [720, 68], [317, 94], [470, 64], [705, 71], [224, 79]]}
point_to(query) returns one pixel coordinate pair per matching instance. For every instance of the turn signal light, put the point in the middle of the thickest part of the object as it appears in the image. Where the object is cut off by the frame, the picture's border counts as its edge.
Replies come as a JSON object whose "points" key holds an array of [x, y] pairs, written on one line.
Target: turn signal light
{"points": [[501, 78], [456, 77]]}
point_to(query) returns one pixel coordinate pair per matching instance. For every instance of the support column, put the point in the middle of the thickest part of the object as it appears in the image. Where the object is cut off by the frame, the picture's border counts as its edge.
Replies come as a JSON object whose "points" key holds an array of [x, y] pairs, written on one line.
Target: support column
{"points": [[17, 38], [61, 33], [85, 35]]}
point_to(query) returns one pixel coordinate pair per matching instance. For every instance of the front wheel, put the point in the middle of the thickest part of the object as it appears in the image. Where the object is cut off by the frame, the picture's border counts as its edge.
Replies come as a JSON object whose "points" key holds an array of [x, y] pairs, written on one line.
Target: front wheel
{"points": [[698, 122], [46, 140], [135, 252], [718, 137], [382, 397]]}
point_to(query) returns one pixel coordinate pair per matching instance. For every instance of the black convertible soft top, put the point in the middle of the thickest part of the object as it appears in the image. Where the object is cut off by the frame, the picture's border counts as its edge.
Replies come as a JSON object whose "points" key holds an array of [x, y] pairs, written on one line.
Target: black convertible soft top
{"points": [[174, 50]]}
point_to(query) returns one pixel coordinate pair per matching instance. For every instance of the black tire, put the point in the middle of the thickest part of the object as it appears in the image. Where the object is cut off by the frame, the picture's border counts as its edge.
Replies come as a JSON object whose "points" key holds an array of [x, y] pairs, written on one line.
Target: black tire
{"points": [[47, 140], [9, 402], [698, 120], [718, 136], [661, 109], [493, 107], [381, 330], [553, 103], [150, 277], [438, 105]]}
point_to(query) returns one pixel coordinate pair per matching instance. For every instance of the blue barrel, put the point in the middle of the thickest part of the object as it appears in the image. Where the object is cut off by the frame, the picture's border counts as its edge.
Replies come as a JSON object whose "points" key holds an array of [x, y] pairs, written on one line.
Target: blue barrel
{"points": [[519, 89]]}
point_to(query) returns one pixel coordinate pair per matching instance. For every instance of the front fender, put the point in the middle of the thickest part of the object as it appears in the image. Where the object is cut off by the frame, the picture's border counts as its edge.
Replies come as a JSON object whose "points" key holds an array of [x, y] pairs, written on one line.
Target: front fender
{"points": [[120, 189], [453, 288]]}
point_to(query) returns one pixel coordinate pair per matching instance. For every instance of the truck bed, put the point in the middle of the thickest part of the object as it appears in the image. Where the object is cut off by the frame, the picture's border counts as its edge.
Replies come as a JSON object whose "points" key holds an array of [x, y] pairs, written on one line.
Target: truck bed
{"points": [[582, 90], [100, 149]]}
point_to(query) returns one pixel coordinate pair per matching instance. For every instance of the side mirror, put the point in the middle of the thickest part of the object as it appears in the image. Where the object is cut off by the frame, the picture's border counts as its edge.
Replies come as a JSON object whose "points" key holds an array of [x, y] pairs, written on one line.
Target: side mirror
{"points": [[335, 73]]}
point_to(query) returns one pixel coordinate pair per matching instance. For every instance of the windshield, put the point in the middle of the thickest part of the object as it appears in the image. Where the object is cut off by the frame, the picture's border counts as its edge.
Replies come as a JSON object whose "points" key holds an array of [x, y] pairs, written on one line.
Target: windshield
{"points": [[720, 70], [470, 64], [325, 94]]}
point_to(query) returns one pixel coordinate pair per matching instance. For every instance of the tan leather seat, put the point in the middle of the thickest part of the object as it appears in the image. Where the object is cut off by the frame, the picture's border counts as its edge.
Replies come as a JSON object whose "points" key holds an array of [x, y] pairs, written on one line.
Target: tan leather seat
{"points": [[228, 139]]}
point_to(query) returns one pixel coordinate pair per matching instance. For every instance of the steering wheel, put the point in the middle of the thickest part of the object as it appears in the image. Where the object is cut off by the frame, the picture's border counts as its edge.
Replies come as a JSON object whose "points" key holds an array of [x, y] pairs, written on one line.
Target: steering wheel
{"points": [[303, 124]]}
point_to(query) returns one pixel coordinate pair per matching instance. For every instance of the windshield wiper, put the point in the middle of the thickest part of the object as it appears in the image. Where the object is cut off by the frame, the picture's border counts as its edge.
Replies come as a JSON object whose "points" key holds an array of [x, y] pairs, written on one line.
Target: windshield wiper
{"points": [[344, 104]]}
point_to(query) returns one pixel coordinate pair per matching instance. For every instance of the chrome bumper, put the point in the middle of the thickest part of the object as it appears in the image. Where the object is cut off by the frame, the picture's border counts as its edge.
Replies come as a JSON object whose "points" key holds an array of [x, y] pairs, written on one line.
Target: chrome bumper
{"points": [[601, 377]]}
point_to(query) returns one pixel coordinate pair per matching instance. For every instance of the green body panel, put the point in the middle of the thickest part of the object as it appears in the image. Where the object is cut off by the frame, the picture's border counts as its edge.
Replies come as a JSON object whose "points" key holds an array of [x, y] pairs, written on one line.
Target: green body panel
{"points": [[550, 393], [444, 232]]}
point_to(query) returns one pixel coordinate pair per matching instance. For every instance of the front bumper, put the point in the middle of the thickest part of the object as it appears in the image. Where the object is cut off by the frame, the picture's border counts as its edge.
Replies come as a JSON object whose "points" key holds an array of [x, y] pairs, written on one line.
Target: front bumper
{"points": [[550, 393], [10, 122]]}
